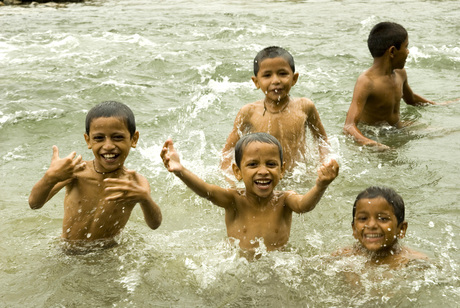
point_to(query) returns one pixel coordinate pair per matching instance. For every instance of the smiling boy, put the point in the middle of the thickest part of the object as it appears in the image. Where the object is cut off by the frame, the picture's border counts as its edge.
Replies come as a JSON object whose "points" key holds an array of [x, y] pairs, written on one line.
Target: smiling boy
{"points": [[257, 211], [378, 90], [100, 194], [278, 114], [378, 225]]}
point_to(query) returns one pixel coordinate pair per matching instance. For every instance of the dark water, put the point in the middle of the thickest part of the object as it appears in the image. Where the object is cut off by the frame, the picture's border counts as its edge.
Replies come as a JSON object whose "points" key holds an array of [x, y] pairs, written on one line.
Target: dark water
{"points": [[184, 67]]}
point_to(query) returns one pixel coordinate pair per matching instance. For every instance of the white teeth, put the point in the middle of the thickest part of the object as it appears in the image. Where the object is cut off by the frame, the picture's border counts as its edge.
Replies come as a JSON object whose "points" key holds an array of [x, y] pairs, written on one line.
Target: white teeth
{"points": [[263, 182], [109, 155], [373, 235]]}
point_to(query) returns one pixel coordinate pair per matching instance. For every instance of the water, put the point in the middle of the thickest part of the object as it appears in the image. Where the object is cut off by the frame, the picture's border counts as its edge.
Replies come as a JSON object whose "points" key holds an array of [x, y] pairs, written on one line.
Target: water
{"points": [[184, 67]]}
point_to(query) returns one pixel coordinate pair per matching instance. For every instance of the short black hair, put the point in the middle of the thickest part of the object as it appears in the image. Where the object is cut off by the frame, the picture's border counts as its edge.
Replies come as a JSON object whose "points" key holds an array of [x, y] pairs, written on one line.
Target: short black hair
{"points": [[255, 137], [273, 52], [389, 194], [384, 35], [112, 109]]}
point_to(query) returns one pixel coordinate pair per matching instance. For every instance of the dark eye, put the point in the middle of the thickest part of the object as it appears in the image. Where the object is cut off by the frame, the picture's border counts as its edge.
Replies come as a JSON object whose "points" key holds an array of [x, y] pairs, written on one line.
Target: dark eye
{"points": [[361, 218], [384, 218], [272, 164], [98, 138], [118, 137], [251, 164]]}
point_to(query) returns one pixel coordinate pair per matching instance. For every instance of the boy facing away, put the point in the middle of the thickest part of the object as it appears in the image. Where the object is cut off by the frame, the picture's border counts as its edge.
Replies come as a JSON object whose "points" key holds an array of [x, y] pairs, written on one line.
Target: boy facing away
{"points": [[100, 194], [257, 211], [378, 223], [378, 90], [278, 114]]}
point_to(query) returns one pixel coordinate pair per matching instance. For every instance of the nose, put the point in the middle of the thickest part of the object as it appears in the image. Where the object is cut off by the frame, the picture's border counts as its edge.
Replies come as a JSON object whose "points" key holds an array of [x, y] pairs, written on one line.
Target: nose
{"points": [[262, 170], [108, 144], [372, 222], [275, 79]]}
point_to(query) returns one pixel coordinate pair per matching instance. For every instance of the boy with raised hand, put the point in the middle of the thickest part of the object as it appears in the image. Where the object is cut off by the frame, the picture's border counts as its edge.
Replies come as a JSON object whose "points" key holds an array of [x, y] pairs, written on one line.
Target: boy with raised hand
{"points": [[278, 114], [100, 194], [257, 212], [378, 90]]}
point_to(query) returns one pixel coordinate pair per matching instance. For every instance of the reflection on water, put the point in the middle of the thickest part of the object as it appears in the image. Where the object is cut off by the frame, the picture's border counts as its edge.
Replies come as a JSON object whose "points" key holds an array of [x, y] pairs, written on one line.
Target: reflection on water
{"points": [[184, 68]]}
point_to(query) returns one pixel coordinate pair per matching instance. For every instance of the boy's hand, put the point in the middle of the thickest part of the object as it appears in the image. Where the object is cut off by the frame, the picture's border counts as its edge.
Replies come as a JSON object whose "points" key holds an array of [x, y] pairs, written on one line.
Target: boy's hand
{"points": [[170, 157], [62, 169], [327, 173], [128, 189]]}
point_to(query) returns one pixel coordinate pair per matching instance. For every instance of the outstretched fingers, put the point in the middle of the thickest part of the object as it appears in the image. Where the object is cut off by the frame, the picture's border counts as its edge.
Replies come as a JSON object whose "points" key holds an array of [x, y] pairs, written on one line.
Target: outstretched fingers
{"points": [[328, 171]]}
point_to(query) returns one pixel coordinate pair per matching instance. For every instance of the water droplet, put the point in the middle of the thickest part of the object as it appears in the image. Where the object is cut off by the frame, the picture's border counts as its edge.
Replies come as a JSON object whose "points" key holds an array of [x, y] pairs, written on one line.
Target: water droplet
{"points": [[88, 235], [79, 211], [431, 224], [389, 229], [68, 230]]}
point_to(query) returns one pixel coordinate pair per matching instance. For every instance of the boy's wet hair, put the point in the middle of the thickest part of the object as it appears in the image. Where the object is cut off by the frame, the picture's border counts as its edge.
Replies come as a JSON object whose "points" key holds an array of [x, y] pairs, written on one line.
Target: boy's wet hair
{"points": [[270, 53], [391, 196], [255, 137], [384, 35], [110, 109]]}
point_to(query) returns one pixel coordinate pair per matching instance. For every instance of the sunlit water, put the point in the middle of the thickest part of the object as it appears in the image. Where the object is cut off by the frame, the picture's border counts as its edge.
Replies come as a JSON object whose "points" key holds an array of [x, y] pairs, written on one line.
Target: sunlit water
{"points": [[184, 67]]}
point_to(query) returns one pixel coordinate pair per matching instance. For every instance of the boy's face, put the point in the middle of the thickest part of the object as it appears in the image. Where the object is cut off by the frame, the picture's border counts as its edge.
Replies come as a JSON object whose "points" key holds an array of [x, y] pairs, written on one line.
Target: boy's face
{"points": [[400, 56], [275, 78], [110, 141], [375, 224], [261, 168]]}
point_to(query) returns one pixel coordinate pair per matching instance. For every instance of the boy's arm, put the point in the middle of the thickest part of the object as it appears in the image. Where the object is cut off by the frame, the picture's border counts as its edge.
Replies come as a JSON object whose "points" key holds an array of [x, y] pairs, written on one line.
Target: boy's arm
{"points": [[233, 137], [360, 95], [305, 203], [135, 189], [410, 97], [217, 195], [317, 130], [59, 174]]}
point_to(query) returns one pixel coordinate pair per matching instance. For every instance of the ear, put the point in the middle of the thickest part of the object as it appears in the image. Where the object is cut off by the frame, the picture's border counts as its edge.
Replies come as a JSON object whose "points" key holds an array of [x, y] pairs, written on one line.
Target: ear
{"points": [[355, 233], [256, 81], [295, 78], [237, 172], [283, 169], [87, 139], [391, 51], [402, 230], [135, 139]]}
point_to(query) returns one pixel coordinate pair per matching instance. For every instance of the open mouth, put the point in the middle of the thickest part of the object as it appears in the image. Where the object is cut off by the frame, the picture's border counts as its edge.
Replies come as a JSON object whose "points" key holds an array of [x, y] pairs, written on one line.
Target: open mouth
{"points": [[372, 236], [110, 156], [263, 184]]}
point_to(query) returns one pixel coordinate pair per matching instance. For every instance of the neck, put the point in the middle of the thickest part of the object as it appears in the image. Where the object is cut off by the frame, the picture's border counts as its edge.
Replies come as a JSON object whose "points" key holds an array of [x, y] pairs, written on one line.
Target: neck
{"points": [[275, 107], [103, 173]]}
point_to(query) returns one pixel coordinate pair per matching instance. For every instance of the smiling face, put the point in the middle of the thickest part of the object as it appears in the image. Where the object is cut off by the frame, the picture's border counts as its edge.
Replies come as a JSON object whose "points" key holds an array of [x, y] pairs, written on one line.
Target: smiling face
{"points": [[375, 225], [110, 141], [275, 78], [261, 169]]}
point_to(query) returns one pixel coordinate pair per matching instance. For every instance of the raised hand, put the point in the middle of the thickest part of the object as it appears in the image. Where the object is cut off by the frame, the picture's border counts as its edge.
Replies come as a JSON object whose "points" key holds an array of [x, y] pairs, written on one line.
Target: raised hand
{"points": [[170, 157], [62, 169], [327, 172], [127, 189]]}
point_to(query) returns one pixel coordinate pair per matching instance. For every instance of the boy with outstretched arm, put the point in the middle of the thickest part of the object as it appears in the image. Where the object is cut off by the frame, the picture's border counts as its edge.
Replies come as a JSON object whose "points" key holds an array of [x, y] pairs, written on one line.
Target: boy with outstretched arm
{"points": [[378, 90], [100, 194], [378, 224], [257, 211], [278, 114]]}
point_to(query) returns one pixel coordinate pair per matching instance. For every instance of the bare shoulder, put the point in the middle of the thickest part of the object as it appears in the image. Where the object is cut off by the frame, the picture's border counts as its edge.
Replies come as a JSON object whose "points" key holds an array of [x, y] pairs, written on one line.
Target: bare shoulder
{"points": [[401, 73], [304, 104], [411, 254], [344, 252]]}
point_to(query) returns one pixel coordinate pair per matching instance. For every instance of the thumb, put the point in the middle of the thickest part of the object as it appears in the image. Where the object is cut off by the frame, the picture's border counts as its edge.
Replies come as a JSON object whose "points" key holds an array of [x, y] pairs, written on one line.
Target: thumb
{"points": [[55, 152]]}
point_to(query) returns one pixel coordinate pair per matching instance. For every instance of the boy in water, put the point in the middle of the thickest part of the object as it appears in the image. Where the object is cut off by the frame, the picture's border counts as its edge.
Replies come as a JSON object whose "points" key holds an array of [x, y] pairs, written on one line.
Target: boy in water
{"points": [[257, 212], [278, 114], [378, 223], [378, 90], [100, 194]]}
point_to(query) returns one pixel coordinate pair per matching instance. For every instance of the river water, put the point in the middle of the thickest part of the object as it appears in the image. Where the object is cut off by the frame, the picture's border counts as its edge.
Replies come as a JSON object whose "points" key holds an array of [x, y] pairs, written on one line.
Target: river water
{"points": [[184, 67]]}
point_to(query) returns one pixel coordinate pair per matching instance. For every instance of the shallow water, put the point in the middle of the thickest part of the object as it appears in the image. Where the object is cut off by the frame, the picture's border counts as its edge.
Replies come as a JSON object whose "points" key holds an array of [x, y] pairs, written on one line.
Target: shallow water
{"points": [[184, 67]]}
